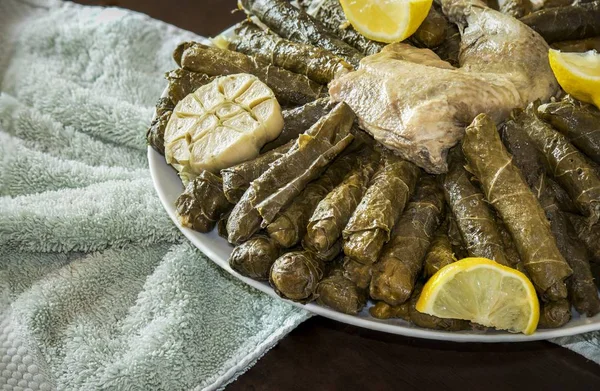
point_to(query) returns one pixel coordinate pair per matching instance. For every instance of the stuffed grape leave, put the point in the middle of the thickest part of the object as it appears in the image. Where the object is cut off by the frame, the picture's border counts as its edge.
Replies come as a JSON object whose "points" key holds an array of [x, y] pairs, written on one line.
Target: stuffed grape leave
{"points": [[450, 46], [372, 222], [315, 63], [255, 257], [432, 32], [578, 121], [590, 236], [581, 289], [408, 312], [473, 216], [331, 253], [296, 275], [578, 46], [297, 120], [181, 83], [155, 136], [202, 203], [509, 194], [440, 252], [554, 314], [331, 15], [236, 179], [333, 212], [288, 175], [515, 8], [341, 294], [458, 245], [289, 227], [401, 262], [357, 272], [294, 24], [512, 254], [576, 21], [569, 166], [289, 88], [222, 226]]}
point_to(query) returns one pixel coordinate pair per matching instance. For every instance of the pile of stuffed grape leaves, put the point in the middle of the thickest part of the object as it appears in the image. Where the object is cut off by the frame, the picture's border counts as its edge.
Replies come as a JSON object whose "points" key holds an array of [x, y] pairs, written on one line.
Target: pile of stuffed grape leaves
{"points": [[316, 207]]}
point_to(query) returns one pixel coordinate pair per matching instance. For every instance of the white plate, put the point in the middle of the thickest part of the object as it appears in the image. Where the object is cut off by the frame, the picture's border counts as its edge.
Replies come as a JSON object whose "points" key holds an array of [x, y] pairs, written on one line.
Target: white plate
{"points": [[169, 187]]}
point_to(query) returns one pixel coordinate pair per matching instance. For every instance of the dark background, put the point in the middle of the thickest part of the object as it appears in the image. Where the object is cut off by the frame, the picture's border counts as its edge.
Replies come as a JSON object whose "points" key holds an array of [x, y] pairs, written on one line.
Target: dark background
{"points": [[322, 354]]}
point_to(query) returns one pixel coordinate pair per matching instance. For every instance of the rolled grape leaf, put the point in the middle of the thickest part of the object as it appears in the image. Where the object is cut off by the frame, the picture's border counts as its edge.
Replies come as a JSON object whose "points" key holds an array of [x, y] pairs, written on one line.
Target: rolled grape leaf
{"points": [[562, 198], [331, 15], [512, 254], [566, 23], [578, 46], [401, 261], [509, 194], [236, 179], [555, 3], [317, 64], [289, 88], [357, 272], [341, 294], [579, 122], [155, 136], [440, 253], [255, 257], [331, 253], [581, 289], [222, 226], [333, 212], [515, 8], [569, 166], [450, 46], [590, 236], [473, 216], [554, 314], [296, 25], [288, 175], [164, 105], [183, 82], [583, 293], [290, 225], [458, 245], [296, 275], [408, 312], [382, 310], [372, 222], [202, 203], [297, 120], [432, 32]]}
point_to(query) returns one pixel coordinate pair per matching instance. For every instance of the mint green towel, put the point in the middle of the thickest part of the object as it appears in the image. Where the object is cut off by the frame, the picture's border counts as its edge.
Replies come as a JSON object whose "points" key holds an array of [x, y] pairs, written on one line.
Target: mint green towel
{"points": [[98, 290]]}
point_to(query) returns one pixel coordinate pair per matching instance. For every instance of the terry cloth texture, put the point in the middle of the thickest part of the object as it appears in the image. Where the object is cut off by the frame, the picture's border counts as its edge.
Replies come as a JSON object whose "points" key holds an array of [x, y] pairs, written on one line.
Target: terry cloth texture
{"points": [[98, 289]]}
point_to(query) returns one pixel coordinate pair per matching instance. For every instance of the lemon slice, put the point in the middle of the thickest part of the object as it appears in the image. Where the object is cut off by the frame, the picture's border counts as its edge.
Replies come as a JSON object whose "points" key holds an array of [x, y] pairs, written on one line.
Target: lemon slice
{"points": [[386, 20], [484, 292], [578, 74]]}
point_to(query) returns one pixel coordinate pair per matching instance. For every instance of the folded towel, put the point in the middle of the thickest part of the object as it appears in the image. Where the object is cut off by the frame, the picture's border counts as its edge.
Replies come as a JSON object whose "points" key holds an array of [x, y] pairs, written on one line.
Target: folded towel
{"points": [[98, 289]]}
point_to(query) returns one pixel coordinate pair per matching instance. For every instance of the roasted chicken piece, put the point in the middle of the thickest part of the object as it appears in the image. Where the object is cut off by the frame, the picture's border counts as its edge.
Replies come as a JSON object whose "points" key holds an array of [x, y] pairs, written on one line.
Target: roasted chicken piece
{"points": [[418, 105]]}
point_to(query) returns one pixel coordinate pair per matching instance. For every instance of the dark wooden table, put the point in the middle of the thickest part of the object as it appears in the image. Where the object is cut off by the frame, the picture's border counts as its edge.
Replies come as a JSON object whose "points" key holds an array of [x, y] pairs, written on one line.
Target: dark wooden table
{"points": [[323, 354]]}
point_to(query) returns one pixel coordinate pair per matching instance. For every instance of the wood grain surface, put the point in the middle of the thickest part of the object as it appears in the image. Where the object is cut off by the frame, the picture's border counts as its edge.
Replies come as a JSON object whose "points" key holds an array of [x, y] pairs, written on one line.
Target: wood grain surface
{"points": [[322, 354]]}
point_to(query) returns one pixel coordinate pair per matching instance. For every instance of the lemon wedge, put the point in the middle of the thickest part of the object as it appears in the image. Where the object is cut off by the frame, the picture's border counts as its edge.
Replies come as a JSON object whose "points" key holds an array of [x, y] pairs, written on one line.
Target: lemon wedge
{"points": [[484, 292], [386, 20], [578, 74]]}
